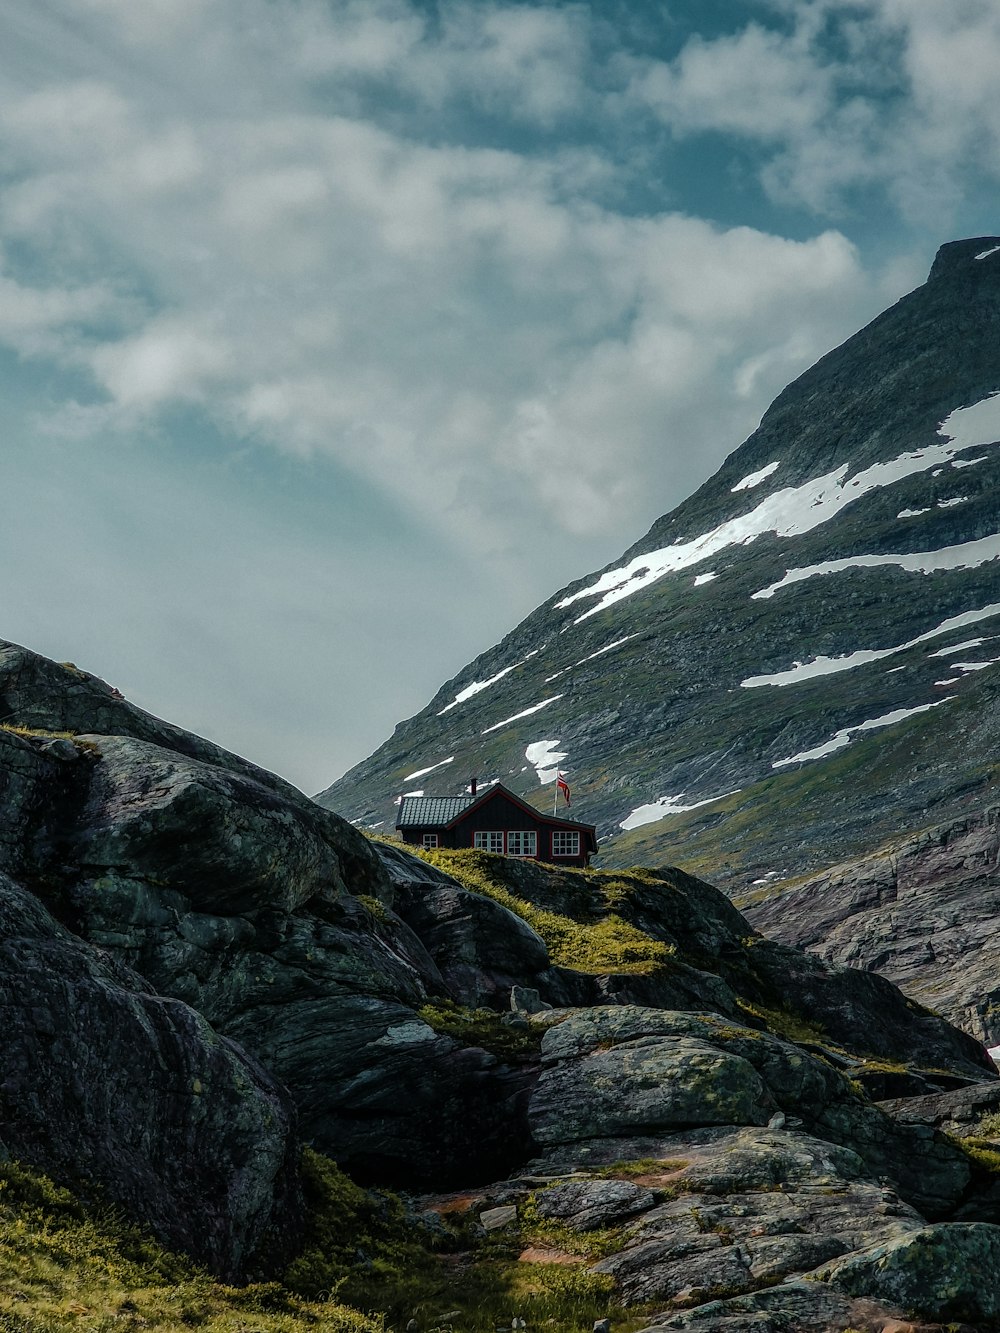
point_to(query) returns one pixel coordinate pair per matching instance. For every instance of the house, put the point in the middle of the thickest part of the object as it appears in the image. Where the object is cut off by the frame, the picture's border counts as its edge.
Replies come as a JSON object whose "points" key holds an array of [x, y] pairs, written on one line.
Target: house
{"points": [[495, 820]]}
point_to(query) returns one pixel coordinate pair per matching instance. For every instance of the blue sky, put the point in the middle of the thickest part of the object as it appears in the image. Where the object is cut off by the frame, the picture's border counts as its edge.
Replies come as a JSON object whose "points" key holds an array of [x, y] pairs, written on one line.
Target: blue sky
{"points": [[335, 335]]}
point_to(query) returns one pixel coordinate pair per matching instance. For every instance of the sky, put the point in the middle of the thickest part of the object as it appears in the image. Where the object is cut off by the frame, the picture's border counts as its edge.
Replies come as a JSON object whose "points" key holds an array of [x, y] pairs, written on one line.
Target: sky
{"points": [[336, 335]]}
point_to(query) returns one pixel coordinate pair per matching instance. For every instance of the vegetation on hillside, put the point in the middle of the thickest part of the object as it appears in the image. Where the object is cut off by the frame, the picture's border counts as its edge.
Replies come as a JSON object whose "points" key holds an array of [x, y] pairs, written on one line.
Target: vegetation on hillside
{"points": [[603, 943], [366, 1265]]}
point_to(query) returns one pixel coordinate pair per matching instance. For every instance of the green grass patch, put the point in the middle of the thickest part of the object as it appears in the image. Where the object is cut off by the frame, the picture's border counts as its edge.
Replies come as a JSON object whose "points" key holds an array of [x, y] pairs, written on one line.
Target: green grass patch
{"points": [[365, 1267], [608, 944], [483, 1028], [67, 1265]]}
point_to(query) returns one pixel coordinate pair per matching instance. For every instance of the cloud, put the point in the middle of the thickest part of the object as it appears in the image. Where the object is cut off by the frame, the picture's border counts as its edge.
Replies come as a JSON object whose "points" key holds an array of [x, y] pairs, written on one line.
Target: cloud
{"points": [[884, 95], [447, 321], [447, 261]]}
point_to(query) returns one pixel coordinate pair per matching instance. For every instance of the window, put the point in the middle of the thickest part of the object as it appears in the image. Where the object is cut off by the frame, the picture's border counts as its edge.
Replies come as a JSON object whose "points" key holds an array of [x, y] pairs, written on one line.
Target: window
{"points": [[489, 840], [565, 844], [522, 842], [430, 840]]}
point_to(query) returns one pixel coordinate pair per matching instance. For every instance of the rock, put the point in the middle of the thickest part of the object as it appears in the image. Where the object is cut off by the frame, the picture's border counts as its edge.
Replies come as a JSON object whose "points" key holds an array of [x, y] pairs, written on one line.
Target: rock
{"points": [[492, 1219], [525, 1000], [916, 912], [480, 948], [940, 1272], [104, 1081], [586, 1204]]}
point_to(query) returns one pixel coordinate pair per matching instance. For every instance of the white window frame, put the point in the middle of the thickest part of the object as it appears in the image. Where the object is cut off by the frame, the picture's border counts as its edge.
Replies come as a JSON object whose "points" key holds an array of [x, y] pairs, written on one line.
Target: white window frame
{"points": [[569, 838], [489, 840], [524, 839], [430, 841]]}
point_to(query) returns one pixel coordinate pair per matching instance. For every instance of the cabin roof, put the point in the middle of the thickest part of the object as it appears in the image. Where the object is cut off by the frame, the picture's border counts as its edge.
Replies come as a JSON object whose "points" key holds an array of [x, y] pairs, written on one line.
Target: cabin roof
{"points": [[444, 811], [424, 810]]}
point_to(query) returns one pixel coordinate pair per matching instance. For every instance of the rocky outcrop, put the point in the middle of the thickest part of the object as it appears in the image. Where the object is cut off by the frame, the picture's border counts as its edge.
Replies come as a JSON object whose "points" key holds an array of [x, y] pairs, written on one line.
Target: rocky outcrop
{"points": [[103, 1081], [923, 913], [628, 1072]]}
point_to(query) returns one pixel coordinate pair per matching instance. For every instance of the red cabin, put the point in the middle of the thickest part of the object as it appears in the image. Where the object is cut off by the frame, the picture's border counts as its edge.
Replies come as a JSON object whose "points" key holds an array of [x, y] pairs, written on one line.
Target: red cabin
{"points": [[495, 820]]}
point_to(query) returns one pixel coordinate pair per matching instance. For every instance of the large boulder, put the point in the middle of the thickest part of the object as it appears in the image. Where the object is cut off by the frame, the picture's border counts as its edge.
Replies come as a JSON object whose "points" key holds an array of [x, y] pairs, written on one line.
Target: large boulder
{"points": [[107, 1083], [623, 1071]]}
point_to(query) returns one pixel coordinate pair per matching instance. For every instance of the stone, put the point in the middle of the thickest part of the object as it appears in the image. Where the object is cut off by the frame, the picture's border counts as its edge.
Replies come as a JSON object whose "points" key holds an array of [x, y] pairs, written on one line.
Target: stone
{"points": [[949, 1271], [492, 1219], [105, 1081]]}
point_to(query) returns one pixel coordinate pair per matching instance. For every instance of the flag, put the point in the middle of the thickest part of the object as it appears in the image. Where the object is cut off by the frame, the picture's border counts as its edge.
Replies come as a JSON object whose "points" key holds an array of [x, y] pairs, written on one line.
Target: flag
{"points": [[561, 786]]}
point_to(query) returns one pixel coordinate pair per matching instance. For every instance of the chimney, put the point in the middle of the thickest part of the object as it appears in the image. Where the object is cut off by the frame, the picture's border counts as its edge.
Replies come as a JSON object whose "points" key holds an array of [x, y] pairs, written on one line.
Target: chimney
{"points": [[473, 783]]}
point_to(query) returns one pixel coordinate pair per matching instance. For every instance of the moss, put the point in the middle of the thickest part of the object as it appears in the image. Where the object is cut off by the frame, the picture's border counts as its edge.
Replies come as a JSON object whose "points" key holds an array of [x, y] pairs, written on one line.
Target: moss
{"points": [[644, 1166], [988, 1127], [376, 909], [608, 944], [38, 733], [363, 1247], [784, 1022], [539, 1230], [483, 1028]]}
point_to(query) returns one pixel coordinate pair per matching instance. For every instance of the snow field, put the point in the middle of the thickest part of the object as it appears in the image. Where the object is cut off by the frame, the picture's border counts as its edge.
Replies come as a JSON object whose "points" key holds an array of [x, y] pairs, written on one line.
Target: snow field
{"points": [[796, 509]]}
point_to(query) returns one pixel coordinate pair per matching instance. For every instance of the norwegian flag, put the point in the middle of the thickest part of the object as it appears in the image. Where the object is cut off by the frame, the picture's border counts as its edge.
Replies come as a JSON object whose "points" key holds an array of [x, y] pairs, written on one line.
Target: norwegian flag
{"points": [[561, 785]]}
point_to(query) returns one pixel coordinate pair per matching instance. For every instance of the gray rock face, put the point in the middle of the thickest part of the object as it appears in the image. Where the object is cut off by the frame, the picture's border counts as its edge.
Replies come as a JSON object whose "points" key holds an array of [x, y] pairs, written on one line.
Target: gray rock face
{"points": [[628, 1072], [945, 1272], [923, 913], [103, 1080]]}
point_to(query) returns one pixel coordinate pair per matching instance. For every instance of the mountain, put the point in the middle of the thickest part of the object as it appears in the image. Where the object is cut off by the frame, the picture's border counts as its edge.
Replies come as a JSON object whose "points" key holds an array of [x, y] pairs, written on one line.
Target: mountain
{"points": [[603, 1094], [798, 662]]}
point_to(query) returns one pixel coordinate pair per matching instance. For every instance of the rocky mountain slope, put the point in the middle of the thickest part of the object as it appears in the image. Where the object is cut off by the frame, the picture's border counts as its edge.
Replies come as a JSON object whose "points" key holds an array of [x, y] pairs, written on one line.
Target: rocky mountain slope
{"points": [[796, 663], [603, 1092], [922, 911]]}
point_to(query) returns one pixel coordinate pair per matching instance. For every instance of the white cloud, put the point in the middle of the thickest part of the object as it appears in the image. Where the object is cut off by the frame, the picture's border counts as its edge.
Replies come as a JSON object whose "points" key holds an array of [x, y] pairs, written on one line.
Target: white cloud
{"points": [[443, 252], [896, 95]]}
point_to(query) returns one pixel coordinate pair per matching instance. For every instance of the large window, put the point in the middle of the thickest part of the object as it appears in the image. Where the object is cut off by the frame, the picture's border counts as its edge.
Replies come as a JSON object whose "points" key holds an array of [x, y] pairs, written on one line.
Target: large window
{"points": [[488, 840], [565, 844], [522, 842], [430, 840]]}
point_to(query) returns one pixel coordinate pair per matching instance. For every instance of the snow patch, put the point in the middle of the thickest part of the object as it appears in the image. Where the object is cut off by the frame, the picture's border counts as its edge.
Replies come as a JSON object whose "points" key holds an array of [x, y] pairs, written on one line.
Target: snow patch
{"points": [[755, 478], [968, 462], [705, 578], [400, 799], [667, 805], [985, 254], [969, 555], [478, 686], [966, 667], [912, 513], [796, 509], [955, 500], [422, 772], [847, 734], [542, 755], [526, 712], [590, 656], [957, 648], [826, 666]]}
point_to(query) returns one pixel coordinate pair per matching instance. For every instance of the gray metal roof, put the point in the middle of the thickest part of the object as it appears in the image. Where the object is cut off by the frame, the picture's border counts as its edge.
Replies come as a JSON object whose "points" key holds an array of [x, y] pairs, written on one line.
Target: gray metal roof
{"points": [[429, 810]]}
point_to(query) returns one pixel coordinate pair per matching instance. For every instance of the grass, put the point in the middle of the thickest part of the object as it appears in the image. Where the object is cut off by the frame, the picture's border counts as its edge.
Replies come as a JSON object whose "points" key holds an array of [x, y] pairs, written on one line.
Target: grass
{"points": [[607, 944], [365, 1266], [39, 733], [483, 1028], [65, 1266]]}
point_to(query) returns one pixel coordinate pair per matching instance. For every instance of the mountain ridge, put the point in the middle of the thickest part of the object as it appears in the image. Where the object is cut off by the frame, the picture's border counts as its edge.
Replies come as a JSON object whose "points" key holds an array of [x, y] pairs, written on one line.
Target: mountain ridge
{"points": [[855, 525]]}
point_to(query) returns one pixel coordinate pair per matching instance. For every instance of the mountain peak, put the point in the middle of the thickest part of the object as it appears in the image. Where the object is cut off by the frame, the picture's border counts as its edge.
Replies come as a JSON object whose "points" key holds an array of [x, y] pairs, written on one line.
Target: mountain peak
{"points": [[799, 662], [956, 256]]}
